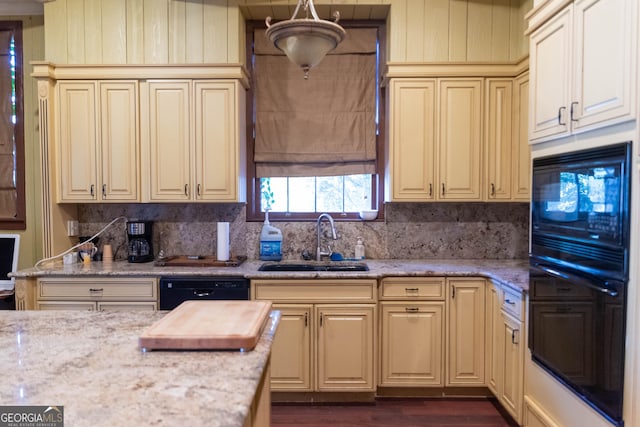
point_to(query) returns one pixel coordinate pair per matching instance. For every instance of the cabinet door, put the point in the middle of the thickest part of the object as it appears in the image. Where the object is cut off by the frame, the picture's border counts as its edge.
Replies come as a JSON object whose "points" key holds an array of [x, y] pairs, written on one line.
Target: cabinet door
{"points": [[512, 385], [77, 141], [216, 141], [460, 139], [411, 140], [499, 138], [521, 152], [169, 123], [550, 71], [412, 344], [346, 347], [466, 332], [119, 140], [494, 353], [291, 351], [603, 66]]}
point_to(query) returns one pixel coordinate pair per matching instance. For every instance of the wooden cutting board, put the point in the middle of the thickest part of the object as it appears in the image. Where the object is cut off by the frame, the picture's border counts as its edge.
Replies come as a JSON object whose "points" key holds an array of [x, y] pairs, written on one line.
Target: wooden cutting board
{"points": [[208, 325]]}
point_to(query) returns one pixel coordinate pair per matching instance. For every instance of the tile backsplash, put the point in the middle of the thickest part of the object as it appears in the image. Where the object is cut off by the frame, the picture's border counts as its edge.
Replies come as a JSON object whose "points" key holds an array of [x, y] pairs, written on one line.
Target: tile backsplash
{"points": [[409, 230]]}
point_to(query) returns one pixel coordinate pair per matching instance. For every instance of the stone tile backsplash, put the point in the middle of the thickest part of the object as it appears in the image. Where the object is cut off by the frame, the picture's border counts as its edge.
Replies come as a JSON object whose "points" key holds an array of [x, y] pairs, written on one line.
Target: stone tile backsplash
{"points": [[409, 231]]}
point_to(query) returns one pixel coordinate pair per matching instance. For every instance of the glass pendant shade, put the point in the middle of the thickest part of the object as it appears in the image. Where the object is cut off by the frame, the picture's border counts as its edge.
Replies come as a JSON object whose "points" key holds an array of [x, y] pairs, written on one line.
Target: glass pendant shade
{"points": [[305, 41]]}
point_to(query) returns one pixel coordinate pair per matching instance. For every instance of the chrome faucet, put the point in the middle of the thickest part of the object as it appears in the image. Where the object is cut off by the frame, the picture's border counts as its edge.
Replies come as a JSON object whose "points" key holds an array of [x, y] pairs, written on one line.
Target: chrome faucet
{"points": [[319, 252]]}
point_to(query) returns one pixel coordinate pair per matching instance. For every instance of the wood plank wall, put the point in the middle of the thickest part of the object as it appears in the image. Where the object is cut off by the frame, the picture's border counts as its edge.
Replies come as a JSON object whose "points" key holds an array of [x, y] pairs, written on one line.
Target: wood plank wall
{"points": [[212, 31]]}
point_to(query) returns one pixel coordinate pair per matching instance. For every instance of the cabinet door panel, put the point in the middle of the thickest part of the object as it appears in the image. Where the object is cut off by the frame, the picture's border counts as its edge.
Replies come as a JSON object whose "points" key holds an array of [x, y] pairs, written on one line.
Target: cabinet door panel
{"points": [[291, 351], [512, 390], [119, 140], [499, 137], [216, 174], [345, 347], [520, 182], [603, 64], [77, 141], [169, 141], [412, 136], [466, 332], [412, 344], [550, 69], [66, 305], [460, 139], [494, 354]]}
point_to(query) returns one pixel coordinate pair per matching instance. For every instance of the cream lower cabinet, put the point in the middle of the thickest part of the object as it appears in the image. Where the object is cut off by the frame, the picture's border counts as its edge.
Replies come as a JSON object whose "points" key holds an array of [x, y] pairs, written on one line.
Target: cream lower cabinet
{"points": [[326, 340], [192, 137], [96, 293], [412, 327], [505, 345], [465, 335], [98, 141]]}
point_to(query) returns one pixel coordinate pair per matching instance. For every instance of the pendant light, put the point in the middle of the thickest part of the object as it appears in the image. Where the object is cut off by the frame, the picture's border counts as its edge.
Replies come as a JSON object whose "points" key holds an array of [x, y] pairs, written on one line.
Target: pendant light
{"points": [[306, 40]]}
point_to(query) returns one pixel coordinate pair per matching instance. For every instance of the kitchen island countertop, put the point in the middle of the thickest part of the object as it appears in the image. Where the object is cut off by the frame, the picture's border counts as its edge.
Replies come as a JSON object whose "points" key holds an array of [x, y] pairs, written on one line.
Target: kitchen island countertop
{"points": [[513, 273], [90, 363]]}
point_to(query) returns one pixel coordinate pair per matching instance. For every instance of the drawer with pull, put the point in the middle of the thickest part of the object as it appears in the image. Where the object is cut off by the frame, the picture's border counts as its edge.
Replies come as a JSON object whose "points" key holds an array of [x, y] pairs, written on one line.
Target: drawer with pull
{"points": [[512, 302], [97, 288], [412, 288]]}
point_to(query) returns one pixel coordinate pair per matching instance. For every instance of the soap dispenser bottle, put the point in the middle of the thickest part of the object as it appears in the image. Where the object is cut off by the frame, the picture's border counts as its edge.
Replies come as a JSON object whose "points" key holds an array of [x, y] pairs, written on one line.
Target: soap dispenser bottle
{"points": [[359, 250]]}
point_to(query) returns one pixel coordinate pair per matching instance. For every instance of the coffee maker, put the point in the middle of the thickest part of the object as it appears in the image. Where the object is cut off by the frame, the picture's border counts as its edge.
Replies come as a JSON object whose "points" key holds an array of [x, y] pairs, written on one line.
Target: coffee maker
{"points": [[140, 236]]}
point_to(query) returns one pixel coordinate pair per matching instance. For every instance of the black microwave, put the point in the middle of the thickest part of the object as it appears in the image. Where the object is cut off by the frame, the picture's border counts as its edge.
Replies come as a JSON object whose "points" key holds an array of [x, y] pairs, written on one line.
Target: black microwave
{"points": [[580, 208]]}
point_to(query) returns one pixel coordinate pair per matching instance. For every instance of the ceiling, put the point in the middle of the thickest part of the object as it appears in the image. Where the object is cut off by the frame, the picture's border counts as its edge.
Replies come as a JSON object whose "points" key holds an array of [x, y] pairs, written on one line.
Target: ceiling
{"points": [[21, 7]]}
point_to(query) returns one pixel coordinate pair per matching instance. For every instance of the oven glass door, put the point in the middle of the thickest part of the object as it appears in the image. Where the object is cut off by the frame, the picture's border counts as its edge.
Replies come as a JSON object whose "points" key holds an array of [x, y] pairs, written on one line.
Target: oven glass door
{"points": [[577, 334], [582, 195]]}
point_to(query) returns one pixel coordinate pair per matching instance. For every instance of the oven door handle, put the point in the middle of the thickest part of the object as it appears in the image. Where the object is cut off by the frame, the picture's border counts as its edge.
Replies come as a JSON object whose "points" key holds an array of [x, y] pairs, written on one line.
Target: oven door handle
{"points": [[575, 279]]}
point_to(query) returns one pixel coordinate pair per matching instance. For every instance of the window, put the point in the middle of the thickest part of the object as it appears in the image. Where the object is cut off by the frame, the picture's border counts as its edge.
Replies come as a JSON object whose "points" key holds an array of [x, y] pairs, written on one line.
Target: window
{"points": [[294, 194], [12, 201]]}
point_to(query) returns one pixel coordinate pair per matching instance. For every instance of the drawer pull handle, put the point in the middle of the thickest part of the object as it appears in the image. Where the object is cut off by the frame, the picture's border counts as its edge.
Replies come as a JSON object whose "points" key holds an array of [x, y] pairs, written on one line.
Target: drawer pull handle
{"points": [[560, 110], [412, 309], [514, 336], [508, 301], [96, 289], [411, 289], [430, 190]]}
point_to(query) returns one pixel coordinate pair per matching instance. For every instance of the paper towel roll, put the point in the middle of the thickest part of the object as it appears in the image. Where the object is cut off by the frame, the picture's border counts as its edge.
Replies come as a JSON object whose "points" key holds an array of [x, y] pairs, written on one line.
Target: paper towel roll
{"points": [[223, 241]]}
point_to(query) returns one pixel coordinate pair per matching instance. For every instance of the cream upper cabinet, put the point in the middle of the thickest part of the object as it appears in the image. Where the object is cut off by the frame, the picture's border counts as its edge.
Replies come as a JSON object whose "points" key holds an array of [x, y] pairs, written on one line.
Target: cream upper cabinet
{"points": [[168, 135], [218, 152], [412, 139], [203, 164], [119, 141], [465, 336], [77, 139], [499, 135], [98, 141], [459, 149], [582, 69], [508, 157], [435, 140], [520, 149]]}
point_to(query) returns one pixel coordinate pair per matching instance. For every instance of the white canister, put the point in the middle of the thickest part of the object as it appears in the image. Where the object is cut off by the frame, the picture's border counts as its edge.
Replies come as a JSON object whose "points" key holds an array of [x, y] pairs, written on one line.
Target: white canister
{"points": [[223, 241]]}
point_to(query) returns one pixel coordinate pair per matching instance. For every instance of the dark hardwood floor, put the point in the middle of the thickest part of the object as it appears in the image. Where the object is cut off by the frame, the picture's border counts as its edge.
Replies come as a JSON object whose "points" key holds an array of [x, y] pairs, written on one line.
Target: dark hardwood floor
{"points": [[393, 413]]}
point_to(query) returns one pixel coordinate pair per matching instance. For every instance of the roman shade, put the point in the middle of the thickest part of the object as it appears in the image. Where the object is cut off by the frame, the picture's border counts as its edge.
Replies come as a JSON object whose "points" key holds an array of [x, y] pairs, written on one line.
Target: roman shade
{"points": [[322, 126]]}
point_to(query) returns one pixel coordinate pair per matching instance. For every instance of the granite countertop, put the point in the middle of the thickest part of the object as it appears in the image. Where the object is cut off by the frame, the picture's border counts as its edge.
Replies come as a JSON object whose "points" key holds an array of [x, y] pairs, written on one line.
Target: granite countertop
{"points": [[90, 363], [510, 272]]}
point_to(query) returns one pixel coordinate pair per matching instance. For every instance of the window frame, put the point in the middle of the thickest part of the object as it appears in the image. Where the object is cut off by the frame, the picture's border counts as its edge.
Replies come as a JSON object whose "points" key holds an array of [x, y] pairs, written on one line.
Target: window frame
{"points": [[19, 221], [253, 212]]}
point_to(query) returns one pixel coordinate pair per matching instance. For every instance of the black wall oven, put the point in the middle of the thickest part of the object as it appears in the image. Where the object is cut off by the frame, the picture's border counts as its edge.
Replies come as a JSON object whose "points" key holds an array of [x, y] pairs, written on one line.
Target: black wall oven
{"points": [[579, 271]]}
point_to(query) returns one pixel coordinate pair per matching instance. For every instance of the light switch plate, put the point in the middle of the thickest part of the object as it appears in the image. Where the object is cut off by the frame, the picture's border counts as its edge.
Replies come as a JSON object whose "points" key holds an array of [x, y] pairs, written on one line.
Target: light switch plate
{"points": [[72, 227]]}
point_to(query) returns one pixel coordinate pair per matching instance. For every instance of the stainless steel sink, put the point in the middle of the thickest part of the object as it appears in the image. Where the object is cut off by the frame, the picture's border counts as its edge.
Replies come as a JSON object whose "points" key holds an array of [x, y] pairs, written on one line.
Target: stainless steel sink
{"points": [[338, 266]]}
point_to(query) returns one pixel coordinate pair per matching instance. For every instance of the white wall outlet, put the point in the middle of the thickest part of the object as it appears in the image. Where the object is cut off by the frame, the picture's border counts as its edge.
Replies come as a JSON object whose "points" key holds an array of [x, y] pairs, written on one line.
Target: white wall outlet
{"points": [[72, 227]]}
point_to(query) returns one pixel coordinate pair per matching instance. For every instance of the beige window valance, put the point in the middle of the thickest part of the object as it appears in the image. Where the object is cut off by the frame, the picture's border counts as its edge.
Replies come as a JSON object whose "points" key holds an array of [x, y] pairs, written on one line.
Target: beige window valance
{"points": [[321, 126]]}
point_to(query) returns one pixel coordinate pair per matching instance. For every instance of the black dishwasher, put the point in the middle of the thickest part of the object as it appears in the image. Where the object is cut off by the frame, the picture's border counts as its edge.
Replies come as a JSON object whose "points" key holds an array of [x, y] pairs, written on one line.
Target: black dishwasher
{"points": [[176, 289]]}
